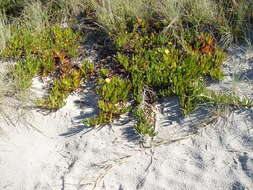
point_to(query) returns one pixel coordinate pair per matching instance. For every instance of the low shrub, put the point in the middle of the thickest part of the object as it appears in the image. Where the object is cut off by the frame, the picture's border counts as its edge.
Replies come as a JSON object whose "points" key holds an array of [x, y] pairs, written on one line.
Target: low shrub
{"points": [[46, 53], [114, 94], [62, 87], [155, 65], [152, 60]]}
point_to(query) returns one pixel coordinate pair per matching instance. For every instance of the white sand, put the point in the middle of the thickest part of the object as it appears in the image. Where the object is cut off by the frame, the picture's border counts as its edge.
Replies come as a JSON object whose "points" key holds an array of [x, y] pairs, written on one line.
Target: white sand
{"points": [[56, 152]]}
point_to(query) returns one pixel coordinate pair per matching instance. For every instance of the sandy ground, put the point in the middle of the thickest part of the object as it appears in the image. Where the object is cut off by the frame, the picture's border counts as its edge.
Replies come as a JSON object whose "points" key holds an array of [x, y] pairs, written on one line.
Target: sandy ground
{"points": [[205, 150]]}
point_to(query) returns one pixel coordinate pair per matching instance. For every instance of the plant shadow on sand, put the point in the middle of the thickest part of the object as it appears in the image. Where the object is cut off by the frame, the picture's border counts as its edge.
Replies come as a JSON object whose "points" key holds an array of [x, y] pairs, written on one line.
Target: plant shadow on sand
{"points": [[128, 131], [87, 103], [171, 121], [97, 44], [249, 75], [88, 106], [170, 118]]}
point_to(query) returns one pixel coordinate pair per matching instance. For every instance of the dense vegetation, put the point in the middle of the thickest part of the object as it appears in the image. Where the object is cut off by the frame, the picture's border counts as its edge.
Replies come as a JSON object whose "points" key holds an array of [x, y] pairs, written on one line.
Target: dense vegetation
{"points": [[162, 48]]}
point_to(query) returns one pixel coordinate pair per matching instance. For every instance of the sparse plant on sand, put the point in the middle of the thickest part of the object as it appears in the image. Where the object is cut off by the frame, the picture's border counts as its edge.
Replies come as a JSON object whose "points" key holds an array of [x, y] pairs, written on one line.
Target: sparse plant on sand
{"points": [[161, 48], [114, 94], [47, 53]]}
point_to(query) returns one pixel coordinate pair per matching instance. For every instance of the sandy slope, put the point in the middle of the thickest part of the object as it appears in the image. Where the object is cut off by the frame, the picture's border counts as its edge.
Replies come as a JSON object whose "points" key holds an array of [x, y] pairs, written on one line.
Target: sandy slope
{"points": [[56, 152]]}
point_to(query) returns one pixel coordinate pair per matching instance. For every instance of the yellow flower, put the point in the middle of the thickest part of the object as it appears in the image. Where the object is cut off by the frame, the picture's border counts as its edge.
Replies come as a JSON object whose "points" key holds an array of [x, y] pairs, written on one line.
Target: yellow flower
{"points": [[107, 80], [167, 51]]}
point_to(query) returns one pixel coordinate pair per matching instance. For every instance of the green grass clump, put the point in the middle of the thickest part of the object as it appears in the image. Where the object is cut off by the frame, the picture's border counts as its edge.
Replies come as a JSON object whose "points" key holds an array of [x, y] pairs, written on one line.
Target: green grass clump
{"points": [[237, 16], [224, 100], [228, 21]]}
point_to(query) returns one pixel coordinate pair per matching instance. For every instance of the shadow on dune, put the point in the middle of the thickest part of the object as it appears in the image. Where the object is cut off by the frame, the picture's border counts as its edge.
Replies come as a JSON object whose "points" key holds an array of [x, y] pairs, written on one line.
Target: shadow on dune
{"points": [[88, 106], [175, 123], [76, 130]]}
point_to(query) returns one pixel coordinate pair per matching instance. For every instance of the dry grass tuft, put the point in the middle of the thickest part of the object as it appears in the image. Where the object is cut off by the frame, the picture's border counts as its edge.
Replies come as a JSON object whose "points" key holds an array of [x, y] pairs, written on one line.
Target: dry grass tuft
{"points": [[5, 32]]}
